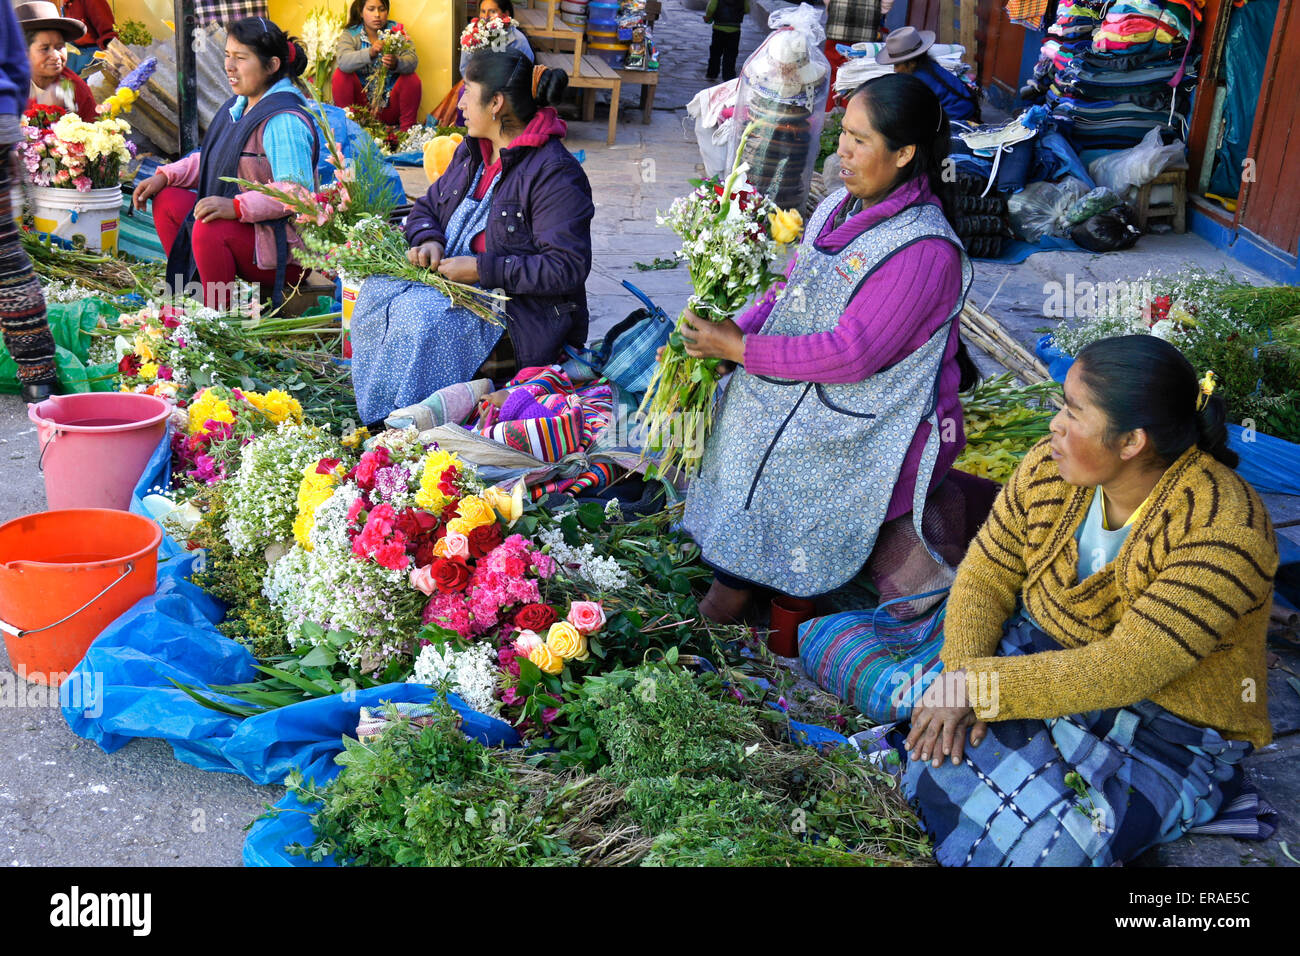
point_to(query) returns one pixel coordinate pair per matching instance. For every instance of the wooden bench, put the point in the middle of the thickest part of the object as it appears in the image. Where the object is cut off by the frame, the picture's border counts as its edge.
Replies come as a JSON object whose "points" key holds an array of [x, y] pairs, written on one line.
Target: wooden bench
{"points": [[1175, 210], [648, 80], [592, 74]]}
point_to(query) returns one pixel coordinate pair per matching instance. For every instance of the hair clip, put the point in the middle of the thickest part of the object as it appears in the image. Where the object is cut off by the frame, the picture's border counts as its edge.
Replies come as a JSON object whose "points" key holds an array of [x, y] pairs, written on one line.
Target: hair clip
{"points": [[1207, 384]]}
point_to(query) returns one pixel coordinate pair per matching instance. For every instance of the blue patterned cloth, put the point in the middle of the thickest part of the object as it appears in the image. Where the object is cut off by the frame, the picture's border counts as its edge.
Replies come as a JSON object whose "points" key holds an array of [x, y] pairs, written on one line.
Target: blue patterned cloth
{"points": [[1149, 777], [408, 340]]}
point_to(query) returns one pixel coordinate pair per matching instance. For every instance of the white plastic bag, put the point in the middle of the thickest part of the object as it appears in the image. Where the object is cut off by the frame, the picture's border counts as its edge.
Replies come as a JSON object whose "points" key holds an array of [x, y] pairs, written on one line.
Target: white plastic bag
{"points": [[783, 89], [1137, 166], [713, 133], [1039, 209]]}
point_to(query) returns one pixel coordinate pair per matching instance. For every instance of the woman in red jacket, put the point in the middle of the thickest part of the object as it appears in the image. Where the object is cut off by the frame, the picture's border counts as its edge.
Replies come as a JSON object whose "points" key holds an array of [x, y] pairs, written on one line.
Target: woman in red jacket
{"points": [[47, 36]]}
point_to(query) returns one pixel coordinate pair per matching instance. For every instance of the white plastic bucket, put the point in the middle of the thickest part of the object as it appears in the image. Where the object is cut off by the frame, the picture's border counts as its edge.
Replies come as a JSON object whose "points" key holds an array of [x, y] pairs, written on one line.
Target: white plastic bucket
{"points": [[67, 213]]}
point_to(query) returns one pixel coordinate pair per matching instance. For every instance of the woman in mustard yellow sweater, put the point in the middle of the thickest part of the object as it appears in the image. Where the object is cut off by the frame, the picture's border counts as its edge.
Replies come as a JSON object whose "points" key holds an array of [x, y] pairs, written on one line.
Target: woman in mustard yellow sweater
{"points": [[1104, 639]]}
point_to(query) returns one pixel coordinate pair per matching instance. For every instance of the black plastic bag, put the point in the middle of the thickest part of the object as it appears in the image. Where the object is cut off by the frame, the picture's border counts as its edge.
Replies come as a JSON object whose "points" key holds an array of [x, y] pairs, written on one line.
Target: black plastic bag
{"points": [[1107, 231]]}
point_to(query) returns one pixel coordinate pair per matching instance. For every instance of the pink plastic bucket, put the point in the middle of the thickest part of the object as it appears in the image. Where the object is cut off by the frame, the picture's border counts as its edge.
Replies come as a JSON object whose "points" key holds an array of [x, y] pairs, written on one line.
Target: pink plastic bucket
{"points": [[94, 446]]}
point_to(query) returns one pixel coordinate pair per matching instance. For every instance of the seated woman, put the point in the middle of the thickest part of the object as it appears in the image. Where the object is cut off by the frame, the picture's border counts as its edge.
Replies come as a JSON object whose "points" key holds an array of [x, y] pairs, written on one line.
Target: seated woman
{"points": [[101, 29], [262, 134], [447, 113], [906, 48], [833, 427], [356, 52], [512, 212], [1104, 639], [53, 84]]}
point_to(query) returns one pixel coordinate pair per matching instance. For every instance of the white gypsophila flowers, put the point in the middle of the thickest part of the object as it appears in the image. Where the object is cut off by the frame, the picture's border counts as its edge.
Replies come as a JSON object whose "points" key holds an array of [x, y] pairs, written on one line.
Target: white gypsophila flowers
{"points": [[472, 673], [582, 565], [262, 496]]}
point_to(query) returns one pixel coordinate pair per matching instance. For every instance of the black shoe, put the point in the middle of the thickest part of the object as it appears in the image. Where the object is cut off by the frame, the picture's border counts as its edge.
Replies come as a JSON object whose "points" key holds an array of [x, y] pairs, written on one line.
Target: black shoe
{"points": [[37, 392]]}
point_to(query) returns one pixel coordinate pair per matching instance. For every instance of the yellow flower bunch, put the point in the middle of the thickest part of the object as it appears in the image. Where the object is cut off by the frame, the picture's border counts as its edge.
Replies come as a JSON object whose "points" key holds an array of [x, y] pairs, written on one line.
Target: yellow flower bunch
{"points": [[119, 102], [149, 371], [279, 405], [314, 490], [207, 406], [786, 224], [430, 497], [140, 345], [103, 139], [472, 511]]}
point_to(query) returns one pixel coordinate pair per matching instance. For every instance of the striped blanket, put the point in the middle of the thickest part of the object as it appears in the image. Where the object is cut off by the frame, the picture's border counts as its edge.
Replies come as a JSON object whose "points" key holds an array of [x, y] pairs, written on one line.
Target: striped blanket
{"points": [[1088, 789]]}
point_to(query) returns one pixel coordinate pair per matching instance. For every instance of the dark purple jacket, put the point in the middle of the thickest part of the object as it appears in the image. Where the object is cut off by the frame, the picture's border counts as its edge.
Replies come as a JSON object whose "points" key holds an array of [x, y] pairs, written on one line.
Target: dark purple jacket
{"points": [[538, 241]]}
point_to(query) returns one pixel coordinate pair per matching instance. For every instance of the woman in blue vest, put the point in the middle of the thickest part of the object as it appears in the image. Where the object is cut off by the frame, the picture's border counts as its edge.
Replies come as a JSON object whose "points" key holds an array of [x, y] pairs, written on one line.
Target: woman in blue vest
{"points": [[209, 227], [906, 49]]}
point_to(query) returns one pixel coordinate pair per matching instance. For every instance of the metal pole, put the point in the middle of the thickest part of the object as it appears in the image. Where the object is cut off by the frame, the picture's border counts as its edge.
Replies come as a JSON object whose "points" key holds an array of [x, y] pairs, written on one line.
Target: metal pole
{"points": [[187, 96]]}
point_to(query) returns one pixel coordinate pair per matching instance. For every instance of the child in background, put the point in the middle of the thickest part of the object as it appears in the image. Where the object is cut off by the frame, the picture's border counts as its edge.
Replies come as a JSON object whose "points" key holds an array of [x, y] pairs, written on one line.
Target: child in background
{"points": [[726, 17]]}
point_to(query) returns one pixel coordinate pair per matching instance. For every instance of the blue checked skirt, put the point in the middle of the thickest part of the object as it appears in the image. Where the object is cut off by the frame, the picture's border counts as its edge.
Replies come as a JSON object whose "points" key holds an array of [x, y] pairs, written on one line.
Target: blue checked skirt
{"points": [[1144, 777]]}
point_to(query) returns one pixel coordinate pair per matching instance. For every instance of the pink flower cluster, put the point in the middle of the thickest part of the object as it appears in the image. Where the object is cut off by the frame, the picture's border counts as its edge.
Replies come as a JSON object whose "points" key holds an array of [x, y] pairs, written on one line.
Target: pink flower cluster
{"points": [[379, 539], [503, 579]]}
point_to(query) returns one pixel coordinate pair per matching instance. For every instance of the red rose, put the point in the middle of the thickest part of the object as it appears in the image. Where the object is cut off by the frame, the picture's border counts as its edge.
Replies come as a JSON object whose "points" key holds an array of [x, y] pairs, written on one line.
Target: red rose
{"points": [[130, 365], [326, 465], [450, 576], [534, 617], [483, 539]]}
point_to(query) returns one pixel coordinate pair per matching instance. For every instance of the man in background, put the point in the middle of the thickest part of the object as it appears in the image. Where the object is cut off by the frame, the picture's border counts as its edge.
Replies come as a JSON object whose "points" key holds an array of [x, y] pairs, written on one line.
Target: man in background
{"points": [[849, 22], [726, 17]]}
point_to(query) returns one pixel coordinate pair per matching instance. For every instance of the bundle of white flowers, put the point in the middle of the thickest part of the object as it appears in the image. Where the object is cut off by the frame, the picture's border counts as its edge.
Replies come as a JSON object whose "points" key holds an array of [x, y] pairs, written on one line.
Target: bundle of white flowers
{"points": [[261, 498], [471, 673]]}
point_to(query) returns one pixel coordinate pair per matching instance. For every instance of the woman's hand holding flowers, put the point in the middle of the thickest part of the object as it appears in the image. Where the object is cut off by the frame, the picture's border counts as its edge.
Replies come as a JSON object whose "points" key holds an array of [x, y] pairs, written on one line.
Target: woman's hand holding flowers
{"points": [[705, 339], [460, 269]]}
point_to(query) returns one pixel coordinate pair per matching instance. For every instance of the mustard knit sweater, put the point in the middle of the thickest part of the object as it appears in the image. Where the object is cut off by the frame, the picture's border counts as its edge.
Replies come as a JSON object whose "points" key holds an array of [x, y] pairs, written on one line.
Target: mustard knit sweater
{"points": [[1178, 618]]}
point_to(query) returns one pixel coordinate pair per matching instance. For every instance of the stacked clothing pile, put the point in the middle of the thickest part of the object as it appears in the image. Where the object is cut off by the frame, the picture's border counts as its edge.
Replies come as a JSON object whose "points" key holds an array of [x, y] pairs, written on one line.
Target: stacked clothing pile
{"points": [[1137, 73], [1068, 38]]}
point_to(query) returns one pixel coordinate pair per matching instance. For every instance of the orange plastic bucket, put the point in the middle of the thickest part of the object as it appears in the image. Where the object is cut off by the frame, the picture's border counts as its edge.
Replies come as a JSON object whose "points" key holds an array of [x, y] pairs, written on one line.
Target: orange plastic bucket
{"points": [[64, 577]]}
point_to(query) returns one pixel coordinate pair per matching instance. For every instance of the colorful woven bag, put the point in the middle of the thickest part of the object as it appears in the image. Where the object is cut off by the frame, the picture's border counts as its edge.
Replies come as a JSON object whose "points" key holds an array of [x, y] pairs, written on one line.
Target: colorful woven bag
{"points": [[873, 661]]}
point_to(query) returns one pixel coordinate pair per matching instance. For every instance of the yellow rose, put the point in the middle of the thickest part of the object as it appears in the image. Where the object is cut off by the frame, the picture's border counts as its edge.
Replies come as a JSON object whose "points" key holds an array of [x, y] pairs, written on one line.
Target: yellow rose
{"points": [[149, 371], [142, 348], [510, 505], [546, 659], [473, 511], [567, 641], [154, 332], [786, 225]]}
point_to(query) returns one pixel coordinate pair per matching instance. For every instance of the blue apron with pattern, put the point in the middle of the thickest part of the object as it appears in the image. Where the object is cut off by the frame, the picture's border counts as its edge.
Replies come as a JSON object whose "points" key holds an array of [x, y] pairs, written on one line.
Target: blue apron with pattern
{"points": [[408, 340], [797, 476]]}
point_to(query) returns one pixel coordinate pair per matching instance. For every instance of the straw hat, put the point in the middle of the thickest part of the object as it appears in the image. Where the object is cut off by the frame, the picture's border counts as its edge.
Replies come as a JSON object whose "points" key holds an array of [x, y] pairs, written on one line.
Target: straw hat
{"points": [[905, 43], [42, 15]]}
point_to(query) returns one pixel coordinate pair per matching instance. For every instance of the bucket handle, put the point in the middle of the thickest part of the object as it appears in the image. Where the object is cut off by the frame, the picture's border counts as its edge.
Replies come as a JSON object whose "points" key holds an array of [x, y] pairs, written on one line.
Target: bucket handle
{"points": [[40, 462], [18, 632]]}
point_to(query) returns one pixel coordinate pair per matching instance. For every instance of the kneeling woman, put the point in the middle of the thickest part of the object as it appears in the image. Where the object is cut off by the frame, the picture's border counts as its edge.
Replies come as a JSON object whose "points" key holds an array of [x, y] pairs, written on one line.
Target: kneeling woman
{"points": [[833, 426], [262, 134], [512, 212], [1108, 623], [359, 50]]}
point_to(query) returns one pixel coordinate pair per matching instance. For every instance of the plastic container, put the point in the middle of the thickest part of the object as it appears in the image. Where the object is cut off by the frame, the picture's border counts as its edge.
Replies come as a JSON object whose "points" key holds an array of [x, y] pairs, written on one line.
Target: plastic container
{"points": [[94, 446], [351, 288], [574, 19], [601, 31], [64, 577], [787, 614], [606, 11], [68, 213], [574, 6]]}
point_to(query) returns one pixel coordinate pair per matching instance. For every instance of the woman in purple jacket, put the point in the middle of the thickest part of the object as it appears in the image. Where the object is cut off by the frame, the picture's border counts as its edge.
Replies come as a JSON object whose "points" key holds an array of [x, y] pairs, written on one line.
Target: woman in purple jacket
{"points": [[512, 213], [845, 412]]}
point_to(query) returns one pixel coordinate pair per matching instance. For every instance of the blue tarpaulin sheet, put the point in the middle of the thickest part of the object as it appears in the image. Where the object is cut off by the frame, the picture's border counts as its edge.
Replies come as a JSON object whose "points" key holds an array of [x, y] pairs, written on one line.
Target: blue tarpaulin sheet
{"points": [[173, 633]]}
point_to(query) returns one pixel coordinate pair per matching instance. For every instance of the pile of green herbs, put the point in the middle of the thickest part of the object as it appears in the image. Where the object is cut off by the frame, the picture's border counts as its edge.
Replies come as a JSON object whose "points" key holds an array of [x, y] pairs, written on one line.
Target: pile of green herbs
{"points": [[1248, 335], [655, 766]]}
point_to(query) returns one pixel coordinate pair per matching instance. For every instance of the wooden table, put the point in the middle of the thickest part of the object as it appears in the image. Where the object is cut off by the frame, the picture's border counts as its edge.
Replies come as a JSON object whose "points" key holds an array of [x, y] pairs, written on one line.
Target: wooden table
{"points": [[591, 73], [648, 80], [543, 24]]}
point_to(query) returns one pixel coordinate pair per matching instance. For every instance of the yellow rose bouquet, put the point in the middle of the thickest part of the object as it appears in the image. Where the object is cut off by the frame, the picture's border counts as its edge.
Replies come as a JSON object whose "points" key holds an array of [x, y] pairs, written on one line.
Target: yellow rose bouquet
{"points": [[731, 237]]}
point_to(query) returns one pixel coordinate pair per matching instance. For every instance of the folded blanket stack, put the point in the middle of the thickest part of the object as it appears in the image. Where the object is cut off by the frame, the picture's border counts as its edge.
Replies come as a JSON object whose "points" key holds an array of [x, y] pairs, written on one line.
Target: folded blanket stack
{"points": [[1138, 72]]}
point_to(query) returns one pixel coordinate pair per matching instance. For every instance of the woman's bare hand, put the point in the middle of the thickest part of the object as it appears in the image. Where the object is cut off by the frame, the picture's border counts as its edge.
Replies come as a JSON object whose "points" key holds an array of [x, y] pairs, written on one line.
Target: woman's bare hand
{"points": [[147, 189], [427, 254]]}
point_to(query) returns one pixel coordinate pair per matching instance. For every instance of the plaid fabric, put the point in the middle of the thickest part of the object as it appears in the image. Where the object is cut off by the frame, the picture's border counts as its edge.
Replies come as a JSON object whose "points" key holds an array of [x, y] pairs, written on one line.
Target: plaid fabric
{"points": [[873, 661], [1149, 777], [228, 11], [1028, 13], [26, 332], [852, 21]]}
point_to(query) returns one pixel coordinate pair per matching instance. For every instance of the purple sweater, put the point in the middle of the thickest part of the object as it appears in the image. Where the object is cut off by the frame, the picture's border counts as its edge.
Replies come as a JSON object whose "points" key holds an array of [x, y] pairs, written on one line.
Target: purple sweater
{"points": [[898, 308]]}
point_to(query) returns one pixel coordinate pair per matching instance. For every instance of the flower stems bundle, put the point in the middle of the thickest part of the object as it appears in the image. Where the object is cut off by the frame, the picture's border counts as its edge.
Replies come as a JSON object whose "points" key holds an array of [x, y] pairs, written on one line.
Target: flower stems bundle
{"points": [[730, 235], [393, 43], [377, 248]]}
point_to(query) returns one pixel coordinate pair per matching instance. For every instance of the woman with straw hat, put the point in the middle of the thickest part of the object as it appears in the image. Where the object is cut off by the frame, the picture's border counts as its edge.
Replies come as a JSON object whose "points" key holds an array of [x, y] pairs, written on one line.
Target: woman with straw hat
{"points": [[907, 50], [47, 34]]}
